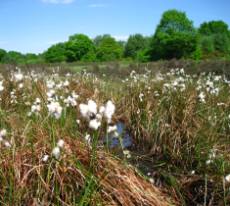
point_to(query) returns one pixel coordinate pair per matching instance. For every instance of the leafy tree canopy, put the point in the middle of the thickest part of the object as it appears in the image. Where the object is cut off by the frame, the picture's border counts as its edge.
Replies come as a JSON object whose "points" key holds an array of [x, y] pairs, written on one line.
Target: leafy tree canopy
{"points": [[2, 54], [56, 53], [135, 44], [78, 46], [214, 38], [175, 37], [108, 49], [13, 57], [213, 27]]}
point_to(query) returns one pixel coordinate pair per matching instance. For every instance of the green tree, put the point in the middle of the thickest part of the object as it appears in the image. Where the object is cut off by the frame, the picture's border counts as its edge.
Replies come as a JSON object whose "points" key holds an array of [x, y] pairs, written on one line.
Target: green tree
{"points": [[90, 56], [56, 53], [214, 38], [32, 58], [143, 55], [108, 49], [207, 44], [213, 27], [175, 37], [97, 40], [134, 45], [2, 54], [78, 47], [13, 57]]}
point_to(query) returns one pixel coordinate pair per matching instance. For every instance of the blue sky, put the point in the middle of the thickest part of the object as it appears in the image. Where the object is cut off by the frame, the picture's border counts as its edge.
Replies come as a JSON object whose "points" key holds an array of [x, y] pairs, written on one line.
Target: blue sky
{"points": [[34, 25]]}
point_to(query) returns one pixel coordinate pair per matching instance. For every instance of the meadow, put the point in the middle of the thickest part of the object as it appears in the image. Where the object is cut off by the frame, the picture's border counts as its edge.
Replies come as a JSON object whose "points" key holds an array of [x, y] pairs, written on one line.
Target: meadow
{"points": [[98, 136]]}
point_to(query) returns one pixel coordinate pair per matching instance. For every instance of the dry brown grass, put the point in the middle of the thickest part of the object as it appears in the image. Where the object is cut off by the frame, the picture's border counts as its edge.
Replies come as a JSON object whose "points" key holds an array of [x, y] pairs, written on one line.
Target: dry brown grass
{"points": [[117, 183]]}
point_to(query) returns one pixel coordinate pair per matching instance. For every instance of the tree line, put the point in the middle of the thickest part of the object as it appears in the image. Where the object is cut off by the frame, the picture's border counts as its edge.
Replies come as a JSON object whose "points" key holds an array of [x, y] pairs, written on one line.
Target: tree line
{"points": [[175, 37]]}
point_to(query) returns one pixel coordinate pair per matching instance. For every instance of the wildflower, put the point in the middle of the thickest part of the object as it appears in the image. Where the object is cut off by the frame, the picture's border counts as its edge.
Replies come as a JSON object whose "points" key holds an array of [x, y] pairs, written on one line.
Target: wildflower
{"points": [[13, 97], [66, 83], [56, 152], [74, 95], [212, 154], [27, 103], [201, 97], [7, 144], [109, 111], [198, 88], [87, 138], [217, 78], [45, 158], [166, 87], [18, 76], [175, 83], [50, 84], [35, 109], [156, 94], [20, 86], [141, 95], [182, 87], [1, 86], [37, 100], [60, 143], [55, 109], [101, 109], [84, 110], [182, 70], [209, 85], [116, 134], [192, 172], [220, 104], [94, 124], [70, 101], [209, 162], [92, 107], [127, 153], [88, 110], [50, 93], [111, 129], [3, 133], [151, 180], [227, 178], [215, 91]]}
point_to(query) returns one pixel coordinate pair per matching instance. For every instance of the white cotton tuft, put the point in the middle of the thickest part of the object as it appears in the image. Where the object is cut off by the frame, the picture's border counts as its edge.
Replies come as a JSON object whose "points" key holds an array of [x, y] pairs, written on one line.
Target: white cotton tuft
{"points": [[109, 111], [94, 124], [56, 152]]}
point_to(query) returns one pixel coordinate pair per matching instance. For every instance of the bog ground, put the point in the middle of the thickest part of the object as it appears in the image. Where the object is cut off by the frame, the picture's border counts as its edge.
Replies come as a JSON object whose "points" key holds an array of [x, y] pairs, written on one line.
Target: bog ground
{"points": [[72, 137]]}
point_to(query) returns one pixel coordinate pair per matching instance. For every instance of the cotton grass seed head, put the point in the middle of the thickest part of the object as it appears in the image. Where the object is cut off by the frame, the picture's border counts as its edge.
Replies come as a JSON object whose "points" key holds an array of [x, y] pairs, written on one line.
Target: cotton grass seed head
{"points": [[45, 158], [227, 178], [3, 133], [56, 152], [109, 110], [60, 143], [55, 109], [94, 124]]}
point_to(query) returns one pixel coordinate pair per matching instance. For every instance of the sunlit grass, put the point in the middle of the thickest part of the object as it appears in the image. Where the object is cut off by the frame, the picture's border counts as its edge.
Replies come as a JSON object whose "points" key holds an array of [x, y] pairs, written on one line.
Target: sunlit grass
{"points": [[180, 139]]}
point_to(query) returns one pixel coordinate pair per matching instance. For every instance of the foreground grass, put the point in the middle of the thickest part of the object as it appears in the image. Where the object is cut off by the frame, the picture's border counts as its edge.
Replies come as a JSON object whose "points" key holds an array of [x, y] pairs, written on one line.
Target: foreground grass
{"points": [[180, 129]]}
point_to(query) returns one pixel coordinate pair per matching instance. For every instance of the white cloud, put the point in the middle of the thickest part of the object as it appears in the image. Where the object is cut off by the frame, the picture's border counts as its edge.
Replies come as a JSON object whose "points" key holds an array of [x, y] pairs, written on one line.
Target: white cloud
{"points": [[58, 1], [121, 37], [97, 5]]}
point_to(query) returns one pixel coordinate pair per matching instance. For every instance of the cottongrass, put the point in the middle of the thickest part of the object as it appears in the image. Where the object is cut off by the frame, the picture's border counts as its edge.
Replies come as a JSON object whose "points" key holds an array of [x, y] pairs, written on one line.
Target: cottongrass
{"points": [[175, 123]]}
